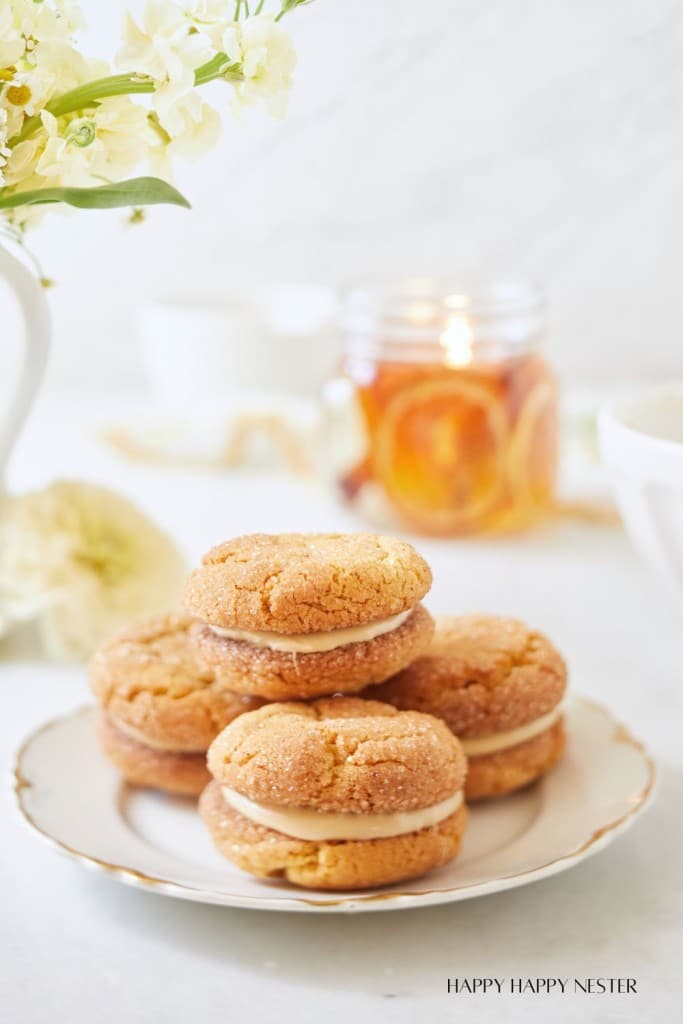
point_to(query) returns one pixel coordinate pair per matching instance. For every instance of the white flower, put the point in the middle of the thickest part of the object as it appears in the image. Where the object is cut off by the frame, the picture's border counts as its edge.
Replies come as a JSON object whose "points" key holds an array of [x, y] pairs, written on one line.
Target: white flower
{"points": [[267, 59], [24, 23], [12, 43], [209, 17], [5, 151], [168, 48], [21, 162], [56, 20], [193, 126], [123, 132], [101, 144], [67, 159], [53, 67], [81, 561]]}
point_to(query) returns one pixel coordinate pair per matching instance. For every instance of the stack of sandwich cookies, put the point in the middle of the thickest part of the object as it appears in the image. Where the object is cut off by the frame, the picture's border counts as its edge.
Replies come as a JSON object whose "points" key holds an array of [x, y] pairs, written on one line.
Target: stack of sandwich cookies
{"points": [[160, 709], [296, 616], [340, 793], [498, 686]]}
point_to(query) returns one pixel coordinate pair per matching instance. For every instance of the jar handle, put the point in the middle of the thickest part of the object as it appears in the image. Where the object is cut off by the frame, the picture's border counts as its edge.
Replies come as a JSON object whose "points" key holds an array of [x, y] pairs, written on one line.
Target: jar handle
{"points": [[33, 304]]}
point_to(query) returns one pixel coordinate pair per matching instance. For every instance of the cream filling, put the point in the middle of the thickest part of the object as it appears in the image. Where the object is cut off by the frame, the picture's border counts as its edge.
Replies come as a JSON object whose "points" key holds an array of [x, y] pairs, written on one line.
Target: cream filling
{"points": [[140, 737], [503, 740], [312, 643], [303, 823]]}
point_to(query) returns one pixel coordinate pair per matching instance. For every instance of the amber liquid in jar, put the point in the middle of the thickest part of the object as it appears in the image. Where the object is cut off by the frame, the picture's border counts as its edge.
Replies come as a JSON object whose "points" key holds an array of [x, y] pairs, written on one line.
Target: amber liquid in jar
{"points": [[456, 449]]}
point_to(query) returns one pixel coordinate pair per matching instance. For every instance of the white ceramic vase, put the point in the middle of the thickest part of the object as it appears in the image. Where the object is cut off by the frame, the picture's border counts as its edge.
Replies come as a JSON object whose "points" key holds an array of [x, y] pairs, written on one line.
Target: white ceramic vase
{"points": [[30, 297]]}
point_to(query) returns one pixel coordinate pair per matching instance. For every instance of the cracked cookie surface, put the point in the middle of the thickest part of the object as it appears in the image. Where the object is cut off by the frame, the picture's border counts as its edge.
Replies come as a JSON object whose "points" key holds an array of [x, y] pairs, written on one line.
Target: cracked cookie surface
{"points": [[279, 675], [482, 674], [149, 679], [340, 864], [305, 583], [340, 754]]}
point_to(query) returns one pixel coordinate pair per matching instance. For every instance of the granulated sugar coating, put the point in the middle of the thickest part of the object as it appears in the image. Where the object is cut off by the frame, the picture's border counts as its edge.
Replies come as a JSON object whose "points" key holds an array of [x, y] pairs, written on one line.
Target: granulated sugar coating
{"points": [[303, 583], [149, 679], [489, 677], [339, 755], [482, 674]]}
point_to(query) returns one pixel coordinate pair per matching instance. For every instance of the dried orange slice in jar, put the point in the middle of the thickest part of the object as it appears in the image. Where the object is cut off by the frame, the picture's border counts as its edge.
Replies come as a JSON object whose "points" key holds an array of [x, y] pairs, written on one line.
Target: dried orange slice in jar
{"points": [[439, 453], [532, 454]]}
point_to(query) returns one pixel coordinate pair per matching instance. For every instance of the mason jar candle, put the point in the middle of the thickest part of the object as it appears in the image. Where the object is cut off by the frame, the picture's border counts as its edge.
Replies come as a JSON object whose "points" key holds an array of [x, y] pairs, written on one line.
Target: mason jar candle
{"points": [[449, 407]]}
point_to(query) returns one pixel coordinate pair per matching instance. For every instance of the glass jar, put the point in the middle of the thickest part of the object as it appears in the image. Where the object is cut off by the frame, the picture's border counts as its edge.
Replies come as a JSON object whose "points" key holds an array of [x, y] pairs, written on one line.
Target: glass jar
{"points": [[444, 417]]}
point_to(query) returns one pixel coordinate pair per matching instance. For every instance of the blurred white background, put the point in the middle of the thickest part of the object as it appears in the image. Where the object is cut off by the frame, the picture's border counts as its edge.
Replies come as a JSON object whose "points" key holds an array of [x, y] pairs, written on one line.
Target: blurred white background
{"points": [[537, 139]]}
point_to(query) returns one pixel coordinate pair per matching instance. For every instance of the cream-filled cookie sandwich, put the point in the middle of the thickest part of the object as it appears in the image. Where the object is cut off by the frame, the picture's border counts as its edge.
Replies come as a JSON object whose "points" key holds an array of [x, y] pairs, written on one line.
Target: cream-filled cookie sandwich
{"points": [[498, 685], [340, 793], [159, 708], [293, 616]]}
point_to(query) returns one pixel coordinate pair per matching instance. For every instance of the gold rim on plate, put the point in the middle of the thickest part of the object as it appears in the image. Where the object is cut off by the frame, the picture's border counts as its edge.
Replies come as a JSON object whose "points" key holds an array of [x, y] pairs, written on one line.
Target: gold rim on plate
{"points": [[131, 876]]}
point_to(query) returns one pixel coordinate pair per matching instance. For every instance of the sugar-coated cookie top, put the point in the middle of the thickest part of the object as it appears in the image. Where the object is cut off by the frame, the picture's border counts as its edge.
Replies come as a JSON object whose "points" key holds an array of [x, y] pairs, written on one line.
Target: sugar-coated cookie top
{"points": [[339, 754], [148, 677], [304, 583], [482, 674]]}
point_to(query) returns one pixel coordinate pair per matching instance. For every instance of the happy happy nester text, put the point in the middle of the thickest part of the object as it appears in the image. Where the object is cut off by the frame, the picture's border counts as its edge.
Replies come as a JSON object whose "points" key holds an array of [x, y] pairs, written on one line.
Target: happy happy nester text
{"points": [[541, 986]]}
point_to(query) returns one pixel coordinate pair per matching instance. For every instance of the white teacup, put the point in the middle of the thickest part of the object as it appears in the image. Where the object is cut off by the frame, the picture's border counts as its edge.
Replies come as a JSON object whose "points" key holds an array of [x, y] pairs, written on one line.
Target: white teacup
{"points": [[642, 444]]}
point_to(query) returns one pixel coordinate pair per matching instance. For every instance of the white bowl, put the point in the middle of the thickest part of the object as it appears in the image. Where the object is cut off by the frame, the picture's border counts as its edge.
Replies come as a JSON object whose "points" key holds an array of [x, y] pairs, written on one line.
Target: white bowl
{"points": [[642, 444]]}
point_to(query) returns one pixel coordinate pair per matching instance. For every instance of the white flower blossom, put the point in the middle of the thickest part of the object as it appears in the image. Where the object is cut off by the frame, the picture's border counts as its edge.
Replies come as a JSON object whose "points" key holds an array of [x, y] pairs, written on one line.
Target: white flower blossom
{"points": [[101, 145], [194, 128], [209, 17], [81, 561], [53, 20], [20, 166], [54, 67], [24, 23], [12, 42], [168, 49], [267, 59], [50, 136], [5, 151]]}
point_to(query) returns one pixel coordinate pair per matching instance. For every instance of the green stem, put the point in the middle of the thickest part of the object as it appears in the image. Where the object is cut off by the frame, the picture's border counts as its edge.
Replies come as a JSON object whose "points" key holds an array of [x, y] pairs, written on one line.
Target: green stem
{"points": [[259, 7], [88, 95], [101, 88], [84, 96], [213, 69]]}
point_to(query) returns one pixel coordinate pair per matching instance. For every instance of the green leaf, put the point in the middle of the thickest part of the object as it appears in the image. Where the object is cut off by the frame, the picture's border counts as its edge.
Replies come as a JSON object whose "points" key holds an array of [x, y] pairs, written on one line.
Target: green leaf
{"points": [[134, 192]]}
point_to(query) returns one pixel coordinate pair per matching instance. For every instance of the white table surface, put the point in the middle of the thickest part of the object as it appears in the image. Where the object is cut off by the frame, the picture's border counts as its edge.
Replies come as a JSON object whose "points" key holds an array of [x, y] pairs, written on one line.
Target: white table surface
{"points": [[77, 947]]}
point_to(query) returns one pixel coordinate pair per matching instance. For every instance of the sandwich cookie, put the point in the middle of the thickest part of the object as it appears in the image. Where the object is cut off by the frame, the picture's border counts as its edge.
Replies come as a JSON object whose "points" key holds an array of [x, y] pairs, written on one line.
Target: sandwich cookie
{"points": [[294, 616], [160, 709], [340, 793], [498, 685]]}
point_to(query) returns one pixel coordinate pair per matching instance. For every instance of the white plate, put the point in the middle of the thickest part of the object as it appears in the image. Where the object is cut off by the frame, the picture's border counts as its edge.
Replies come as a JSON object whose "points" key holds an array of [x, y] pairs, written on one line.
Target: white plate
{"points": [[73, 798]]}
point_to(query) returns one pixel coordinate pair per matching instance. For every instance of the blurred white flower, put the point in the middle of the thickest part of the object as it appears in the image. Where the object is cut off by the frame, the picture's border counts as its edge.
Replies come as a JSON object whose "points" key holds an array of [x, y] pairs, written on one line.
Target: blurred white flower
{"points": [[81, 561], [267, 59]]}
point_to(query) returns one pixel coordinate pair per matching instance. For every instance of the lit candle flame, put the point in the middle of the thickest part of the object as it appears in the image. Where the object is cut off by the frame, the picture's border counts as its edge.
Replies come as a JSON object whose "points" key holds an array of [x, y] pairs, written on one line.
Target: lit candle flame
{"points": [[457, 341]]}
